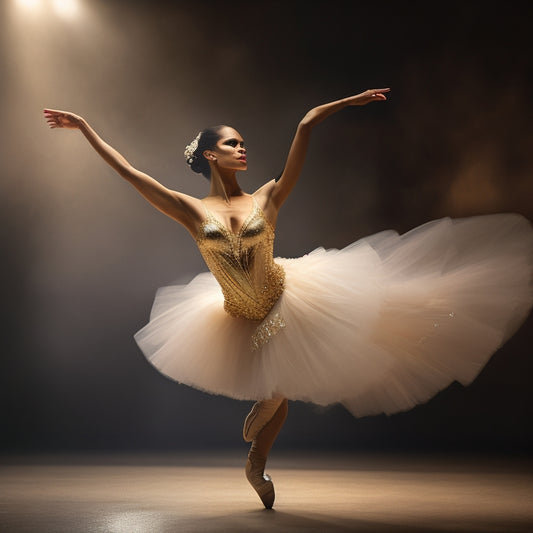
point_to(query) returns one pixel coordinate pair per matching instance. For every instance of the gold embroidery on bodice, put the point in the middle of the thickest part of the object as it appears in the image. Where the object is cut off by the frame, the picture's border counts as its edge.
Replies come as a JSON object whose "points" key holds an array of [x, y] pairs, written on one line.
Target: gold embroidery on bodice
{"points": [[243, 263]]}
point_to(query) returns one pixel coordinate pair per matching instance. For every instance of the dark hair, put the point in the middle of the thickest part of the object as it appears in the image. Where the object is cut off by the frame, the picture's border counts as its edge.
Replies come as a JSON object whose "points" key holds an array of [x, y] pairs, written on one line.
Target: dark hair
{"points": [[206, 140]]}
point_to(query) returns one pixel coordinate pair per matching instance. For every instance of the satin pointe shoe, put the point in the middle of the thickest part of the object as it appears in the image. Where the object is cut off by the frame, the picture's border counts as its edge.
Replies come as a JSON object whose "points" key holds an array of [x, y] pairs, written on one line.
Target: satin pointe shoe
{"points": [[261, 482], [259, 416]]}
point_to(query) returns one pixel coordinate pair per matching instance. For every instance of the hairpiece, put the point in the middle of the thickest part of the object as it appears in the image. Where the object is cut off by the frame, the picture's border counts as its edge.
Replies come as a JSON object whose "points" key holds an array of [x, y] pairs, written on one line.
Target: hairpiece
{"points": [[190, 149]]}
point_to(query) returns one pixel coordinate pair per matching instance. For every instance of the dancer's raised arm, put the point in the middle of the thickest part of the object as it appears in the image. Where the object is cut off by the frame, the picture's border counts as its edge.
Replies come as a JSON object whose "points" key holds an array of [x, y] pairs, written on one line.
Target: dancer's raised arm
{"points": [[169, 202], [280, 190]]}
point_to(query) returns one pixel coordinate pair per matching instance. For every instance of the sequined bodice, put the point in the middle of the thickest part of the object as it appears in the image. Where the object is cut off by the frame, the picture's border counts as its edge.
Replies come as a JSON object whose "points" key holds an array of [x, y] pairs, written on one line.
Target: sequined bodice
{"points": [[243, 263]]}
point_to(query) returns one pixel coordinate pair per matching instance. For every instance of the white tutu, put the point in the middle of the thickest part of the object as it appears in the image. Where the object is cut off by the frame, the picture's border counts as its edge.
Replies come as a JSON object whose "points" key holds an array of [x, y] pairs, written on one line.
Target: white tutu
{"points": [[380, 326]]}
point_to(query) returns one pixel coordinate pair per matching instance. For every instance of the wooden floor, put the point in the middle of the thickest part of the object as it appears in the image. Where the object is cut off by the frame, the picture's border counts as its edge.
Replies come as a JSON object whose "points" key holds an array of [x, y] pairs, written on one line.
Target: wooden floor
{"points": [[314, 493]]}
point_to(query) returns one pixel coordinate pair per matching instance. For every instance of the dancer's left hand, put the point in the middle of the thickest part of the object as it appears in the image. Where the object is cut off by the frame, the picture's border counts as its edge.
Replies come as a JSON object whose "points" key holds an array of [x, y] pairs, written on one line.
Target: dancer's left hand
{"points": [[371, 95]]}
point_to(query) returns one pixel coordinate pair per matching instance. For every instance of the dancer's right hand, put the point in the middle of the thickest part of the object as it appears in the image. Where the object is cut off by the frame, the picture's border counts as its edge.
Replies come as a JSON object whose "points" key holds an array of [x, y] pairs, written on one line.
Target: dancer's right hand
{"points": [[62, 119]]}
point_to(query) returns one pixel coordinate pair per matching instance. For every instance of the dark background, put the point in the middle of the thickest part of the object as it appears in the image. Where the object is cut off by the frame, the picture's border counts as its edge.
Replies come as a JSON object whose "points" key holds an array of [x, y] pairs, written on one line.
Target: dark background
{"points": [[83, 254]]}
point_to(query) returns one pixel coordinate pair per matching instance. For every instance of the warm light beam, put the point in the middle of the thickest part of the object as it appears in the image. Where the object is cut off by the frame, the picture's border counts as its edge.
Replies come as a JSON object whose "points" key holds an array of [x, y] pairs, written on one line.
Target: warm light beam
{"points": [[28, 4], [66, 8]]}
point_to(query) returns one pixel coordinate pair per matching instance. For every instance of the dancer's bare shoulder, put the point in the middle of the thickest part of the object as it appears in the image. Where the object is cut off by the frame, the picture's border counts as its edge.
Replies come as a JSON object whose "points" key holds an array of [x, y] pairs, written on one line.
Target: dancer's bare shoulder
{"points": [[193, 212]]}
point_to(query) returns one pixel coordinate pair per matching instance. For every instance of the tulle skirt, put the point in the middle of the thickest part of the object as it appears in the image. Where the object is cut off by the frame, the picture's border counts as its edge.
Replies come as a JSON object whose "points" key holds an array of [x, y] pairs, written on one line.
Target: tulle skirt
{"points": [[379, 326]]}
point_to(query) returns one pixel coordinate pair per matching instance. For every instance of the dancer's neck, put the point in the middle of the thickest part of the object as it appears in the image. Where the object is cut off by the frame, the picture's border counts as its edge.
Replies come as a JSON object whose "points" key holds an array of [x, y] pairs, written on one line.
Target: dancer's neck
{"points": [[224, 186]]}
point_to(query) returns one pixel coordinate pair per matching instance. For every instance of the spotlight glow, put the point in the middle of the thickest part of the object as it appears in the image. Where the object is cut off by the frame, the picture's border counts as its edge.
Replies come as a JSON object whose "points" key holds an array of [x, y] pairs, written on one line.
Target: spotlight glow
{"points": [[66, 8], [28, 4]]}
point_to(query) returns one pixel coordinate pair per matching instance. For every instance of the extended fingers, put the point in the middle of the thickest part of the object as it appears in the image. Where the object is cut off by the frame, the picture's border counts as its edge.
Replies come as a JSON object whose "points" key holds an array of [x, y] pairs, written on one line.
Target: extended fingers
{"points": [[53, 118], [378, 91], [53, 122]]}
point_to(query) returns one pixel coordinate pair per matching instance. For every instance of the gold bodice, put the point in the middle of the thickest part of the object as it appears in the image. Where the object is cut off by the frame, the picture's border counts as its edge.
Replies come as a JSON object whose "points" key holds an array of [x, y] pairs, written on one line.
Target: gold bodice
{"points": [[243, 263]]}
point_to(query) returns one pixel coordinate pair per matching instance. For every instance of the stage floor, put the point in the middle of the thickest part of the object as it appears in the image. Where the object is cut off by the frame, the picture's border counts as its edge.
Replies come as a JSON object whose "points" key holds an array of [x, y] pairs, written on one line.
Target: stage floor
{"points": [[207, 492]]}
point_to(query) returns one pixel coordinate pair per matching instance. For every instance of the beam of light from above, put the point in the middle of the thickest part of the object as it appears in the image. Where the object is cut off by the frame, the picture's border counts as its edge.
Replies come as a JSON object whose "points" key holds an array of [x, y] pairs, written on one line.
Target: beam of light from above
{"points": [[33, 44], [29, 4], [67, 9]]}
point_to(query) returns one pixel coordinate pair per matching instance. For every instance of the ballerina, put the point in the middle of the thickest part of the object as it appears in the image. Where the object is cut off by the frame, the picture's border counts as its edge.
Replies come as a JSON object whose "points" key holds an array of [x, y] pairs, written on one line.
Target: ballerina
{"points": [[379, 326]]}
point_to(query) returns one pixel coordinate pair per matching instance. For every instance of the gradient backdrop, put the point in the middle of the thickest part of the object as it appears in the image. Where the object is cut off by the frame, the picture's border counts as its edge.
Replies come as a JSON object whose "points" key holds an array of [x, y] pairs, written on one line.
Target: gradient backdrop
{"points": [[83, 254]]}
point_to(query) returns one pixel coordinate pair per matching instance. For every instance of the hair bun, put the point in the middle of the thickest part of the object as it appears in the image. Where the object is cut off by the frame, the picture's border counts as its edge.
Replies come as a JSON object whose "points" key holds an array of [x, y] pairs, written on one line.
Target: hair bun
{"points": [[193, 153], [196, 165]]}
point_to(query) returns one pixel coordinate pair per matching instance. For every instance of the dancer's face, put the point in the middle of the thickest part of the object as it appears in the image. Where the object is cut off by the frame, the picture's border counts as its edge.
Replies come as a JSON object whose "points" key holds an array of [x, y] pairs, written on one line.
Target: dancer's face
{"points": [[229, 151]]}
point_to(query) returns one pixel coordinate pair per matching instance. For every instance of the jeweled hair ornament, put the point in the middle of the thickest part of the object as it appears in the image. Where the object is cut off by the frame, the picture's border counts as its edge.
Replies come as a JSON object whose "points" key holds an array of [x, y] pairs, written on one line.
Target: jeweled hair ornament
{"points": [[190, 149]]}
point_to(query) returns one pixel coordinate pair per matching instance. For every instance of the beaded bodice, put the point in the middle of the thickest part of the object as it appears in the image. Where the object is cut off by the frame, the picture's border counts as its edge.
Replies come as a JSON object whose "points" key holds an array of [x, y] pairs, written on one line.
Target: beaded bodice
{"points": [[243, 263]]}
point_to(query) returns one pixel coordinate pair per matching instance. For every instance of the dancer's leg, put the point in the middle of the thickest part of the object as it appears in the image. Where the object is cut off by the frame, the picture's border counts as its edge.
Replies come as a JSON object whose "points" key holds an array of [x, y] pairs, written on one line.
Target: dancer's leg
{"points": [[261, 445], [259, 416]]}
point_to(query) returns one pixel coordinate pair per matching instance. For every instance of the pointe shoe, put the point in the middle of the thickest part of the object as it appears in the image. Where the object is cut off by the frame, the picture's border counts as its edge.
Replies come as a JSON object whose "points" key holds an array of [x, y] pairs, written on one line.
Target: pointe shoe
{"points": [[261, 482], [259, 417]]}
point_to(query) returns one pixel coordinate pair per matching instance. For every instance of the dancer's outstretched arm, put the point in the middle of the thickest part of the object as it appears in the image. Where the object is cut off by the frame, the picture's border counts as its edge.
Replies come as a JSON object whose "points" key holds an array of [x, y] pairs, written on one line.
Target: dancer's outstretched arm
{"points": [[172, 203], [279, 192]]}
